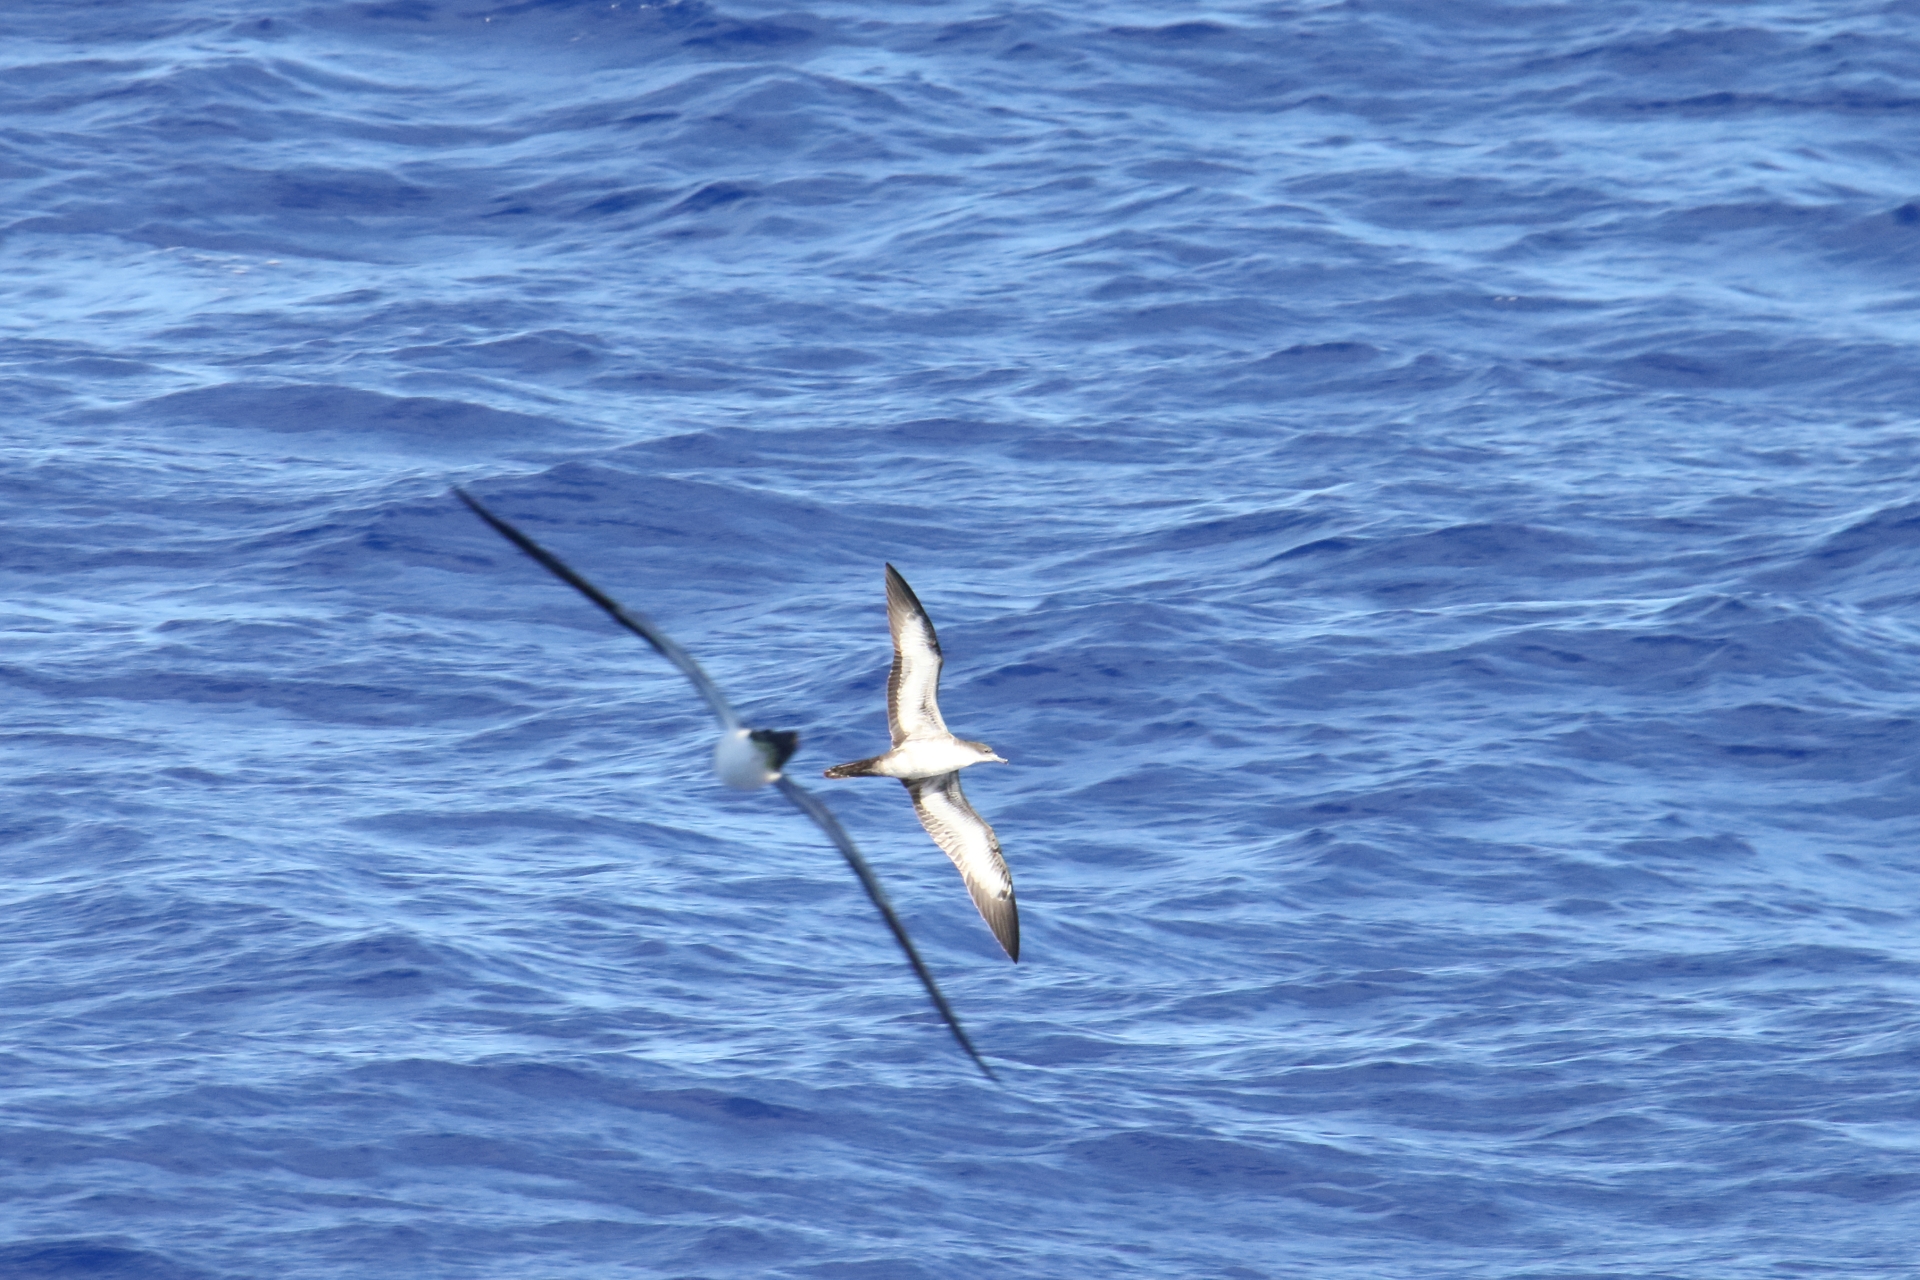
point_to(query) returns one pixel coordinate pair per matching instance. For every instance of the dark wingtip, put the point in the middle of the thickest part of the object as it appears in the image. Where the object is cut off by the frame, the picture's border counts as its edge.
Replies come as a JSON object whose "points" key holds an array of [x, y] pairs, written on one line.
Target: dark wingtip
{"points": [[501, 526], [898, 592]]}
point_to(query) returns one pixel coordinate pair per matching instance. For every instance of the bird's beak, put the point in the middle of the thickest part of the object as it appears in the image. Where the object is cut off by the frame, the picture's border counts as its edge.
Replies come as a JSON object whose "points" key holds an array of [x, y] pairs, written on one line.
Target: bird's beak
{"points": [[996, 759]]}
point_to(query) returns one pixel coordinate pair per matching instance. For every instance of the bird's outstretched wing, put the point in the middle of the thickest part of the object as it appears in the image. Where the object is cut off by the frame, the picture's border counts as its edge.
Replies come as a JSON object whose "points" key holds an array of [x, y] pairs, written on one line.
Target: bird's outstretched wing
{"points": [[638, 623], [816, 809], [913, 686], [943, 810], [803, 800]]}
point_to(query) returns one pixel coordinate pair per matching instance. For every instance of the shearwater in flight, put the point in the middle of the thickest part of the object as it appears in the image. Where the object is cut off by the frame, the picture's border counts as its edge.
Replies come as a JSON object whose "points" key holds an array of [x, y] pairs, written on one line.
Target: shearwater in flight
{"points": [[928, 759], [748, 758]]}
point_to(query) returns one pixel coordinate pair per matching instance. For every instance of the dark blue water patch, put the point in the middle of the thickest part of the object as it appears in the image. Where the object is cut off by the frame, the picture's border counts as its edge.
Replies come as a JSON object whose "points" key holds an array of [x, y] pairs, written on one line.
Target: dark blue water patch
{"points": [[1319, 992], [296, 409], [1178, 33], [1443, 796], [741, 1117], [1724, 104], [1716, 222], [65, 363], [1302, 356], [379, 966], [1858, 1185], [877, 1269], [464, 829], [87, 1259], [1882, 544], [735, 38], [1758, 747], [1653, 659], [337, 192], [1890, 238], [1217, 1166], [1689, 850], [1745, 969], [1773, 737], [614, 202], [1262, 529], [26, 829], [1681, 52], [681, 523], [679, 378], [1432, 565], [714, 195], [332, 701], [1737, 362], [1282, 376], [1393, 201], [546, 354]]}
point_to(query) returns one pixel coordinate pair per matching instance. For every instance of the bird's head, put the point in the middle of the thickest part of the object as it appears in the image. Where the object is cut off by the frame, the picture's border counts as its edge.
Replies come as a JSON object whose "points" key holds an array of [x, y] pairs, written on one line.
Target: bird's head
{"points": [[749, 758], [983, 754]]}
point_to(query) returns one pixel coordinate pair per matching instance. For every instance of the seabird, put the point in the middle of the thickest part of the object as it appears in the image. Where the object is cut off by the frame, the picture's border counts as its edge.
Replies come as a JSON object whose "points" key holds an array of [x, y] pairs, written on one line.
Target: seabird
{"points": [[928, 759], [748, 758]]}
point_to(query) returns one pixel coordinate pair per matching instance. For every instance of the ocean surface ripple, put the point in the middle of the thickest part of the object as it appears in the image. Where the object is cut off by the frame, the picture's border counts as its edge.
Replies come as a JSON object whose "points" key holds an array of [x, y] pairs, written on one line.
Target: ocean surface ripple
{"points": [[1426, 496]]}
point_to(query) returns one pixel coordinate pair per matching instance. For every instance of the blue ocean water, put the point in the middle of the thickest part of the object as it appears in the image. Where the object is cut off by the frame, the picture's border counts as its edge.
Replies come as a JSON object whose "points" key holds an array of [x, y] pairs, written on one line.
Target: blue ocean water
{"points": [[1426, 496]]}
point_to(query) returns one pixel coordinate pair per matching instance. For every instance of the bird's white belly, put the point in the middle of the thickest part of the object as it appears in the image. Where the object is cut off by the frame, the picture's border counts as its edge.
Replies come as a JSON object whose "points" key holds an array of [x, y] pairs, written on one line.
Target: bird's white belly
{"points": [[925, 758]]}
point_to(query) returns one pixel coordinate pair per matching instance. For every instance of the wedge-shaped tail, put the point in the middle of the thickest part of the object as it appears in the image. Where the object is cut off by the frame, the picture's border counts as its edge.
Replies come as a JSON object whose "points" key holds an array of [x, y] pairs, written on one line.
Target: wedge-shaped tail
{"points": [[855, 769]]}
